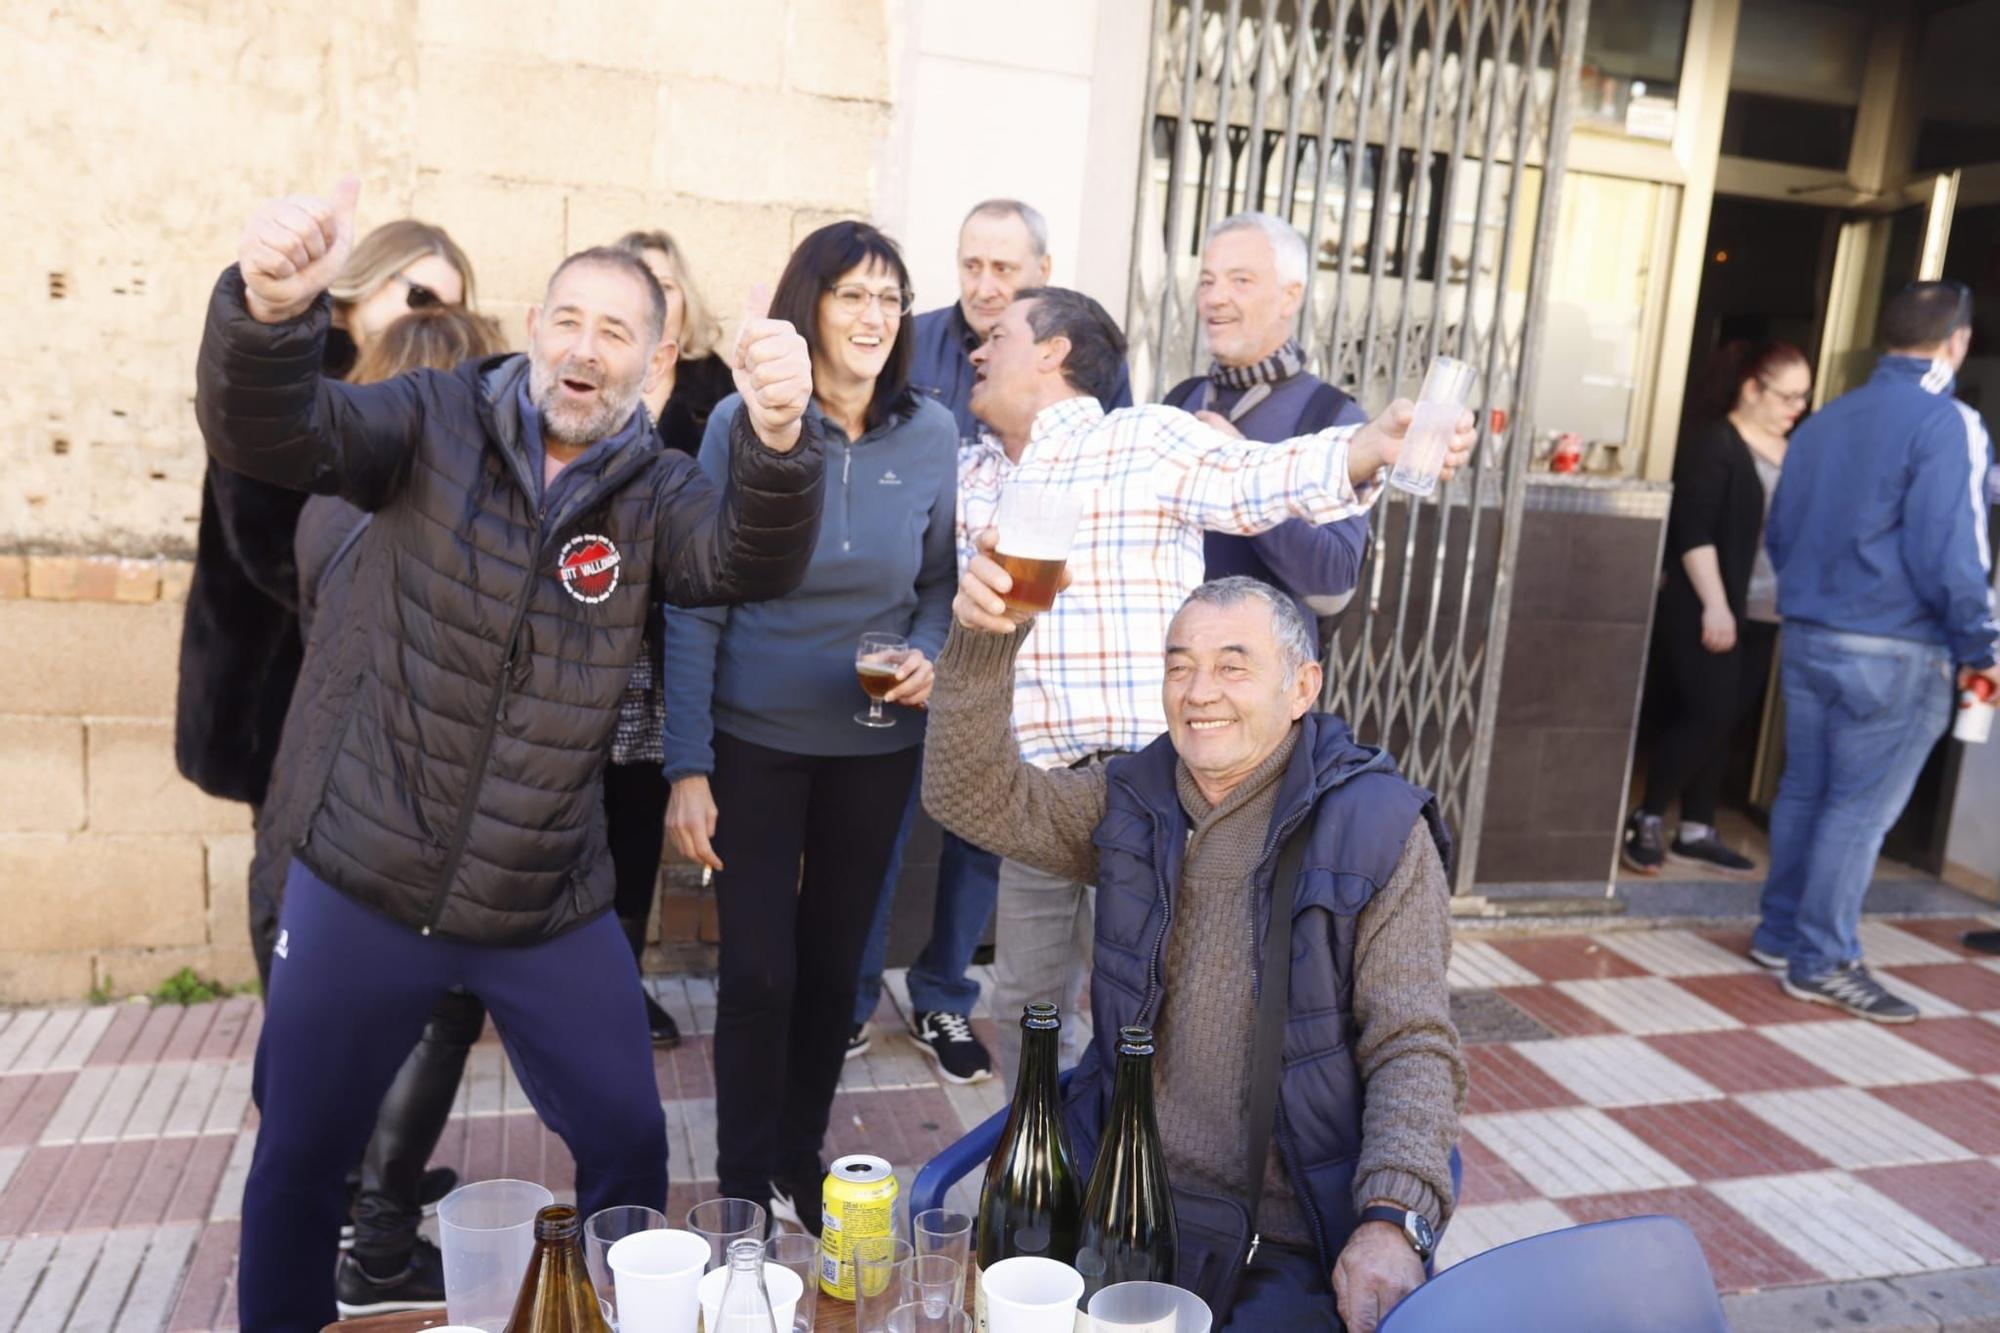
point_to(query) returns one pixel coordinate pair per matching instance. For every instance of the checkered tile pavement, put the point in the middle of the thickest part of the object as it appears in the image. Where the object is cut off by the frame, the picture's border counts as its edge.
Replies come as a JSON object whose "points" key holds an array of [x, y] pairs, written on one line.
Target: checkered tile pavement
{"points": [[1799, 1144], [1645, 1071]]}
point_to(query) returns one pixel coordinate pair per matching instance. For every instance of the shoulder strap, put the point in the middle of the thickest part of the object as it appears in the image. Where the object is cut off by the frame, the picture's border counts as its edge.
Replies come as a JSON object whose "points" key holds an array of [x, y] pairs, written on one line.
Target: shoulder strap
{"points": [[1181, 393], [1322, 409], [1273, 1002]]}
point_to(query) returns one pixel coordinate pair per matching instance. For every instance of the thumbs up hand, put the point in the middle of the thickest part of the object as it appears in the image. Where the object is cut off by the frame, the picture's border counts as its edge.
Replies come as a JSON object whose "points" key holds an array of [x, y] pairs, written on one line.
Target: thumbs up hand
{"points": [[773, 372], [293, 248]]}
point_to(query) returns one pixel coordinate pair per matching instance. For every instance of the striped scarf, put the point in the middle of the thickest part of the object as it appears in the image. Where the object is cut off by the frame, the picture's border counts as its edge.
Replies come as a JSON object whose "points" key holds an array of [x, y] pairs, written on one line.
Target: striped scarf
{"points": [[1255, 379]]}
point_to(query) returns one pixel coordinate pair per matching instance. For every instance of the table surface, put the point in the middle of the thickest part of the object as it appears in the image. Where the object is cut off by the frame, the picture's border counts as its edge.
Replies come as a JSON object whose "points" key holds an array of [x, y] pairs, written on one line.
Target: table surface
{"points": [[834, 1316]]}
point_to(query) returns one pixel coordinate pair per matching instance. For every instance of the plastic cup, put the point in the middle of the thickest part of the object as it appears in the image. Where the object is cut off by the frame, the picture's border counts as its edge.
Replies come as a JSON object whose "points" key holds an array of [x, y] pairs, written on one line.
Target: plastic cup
{"points": [[486, 1231], [786, 1289], [1974, 724], [658, 1274], [949, 1233], [799, 1253], [606, 1228], [881, 1275], [1026, 1294], [920, 1318], [935, 1280], [1148, 1307], [1446, 388], [1037, 523], [720, 1221]]}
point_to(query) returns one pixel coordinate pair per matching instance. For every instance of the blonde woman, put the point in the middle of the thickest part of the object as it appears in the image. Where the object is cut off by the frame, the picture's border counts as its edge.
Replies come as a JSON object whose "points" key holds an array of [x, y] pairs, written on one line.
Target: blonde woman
{"points": [[698, 379], [399, 267]]}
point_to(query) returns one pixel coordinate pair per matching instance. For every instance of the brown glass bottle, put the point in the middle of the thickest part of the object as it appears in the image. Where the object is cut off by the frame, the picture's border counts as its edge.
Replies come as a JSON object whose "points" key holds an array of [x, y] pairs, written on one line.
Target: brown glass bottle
{"points": [[556, 1295]]}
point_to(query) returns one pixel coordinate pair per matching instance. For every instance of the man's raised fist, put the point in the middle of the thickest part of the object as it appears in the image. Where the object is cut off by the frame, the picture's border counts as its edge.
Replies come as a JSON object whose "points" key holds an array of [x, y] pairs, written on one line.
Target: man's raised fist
{"points": [[293, 248]]}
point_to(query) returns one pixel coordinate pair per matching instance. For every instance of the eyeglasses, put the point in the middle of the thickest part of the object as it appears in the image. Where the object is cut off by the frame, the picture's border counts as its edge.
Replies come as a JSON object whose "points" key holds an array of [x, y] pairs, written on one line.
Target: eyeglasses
{"points": [[419, 297], [1798, 399], [853, 299]]}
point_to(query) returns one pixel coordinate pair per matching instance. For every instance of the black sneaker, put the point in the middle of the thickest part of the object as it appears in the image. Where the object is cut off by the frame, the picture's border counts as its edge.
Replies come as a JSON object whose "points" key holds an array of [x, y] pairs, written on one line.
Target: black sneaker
{"points": [[420, 1286], [796, 1197], [1776, 962], [947, 1039], [665, 1032], [1981, 941], [1644, 849], [1853, 989], [1709, 852], [859, 1040], [437, 1182]]}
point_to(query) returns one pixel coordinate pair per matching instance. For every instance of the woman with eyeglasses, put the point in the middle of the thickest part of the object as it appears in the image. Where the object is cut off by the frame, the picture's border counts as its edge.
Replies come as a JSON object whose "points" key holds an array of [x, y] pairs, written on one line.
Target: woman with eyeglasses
{"points": [[399, 267], [1717, 622], [778, 787]]}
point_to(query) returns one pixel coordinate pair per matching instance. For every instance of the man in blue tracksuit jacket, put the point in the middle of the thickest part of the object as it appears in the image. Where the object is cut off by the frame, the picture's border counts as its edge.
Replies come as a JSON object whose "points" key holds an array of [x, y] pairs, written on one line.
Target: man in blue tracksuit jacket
{"points": [[1003, 247], [1878, 535]]}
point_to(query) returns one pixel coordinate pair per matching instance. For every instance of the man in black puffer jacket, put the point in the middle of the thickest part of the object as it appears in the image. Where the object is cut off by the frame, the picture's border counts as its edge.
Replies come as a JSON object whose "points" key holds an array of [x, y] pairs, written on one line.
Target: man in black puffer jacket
{"points": [[523, 522]]}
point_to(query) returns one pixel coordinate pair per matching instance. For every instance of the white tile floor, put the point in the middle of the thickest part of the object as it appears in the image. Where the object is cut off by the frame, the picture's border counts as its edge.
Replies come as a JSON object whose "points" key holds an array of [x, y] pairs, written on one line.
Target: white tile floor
{"points": [[1841, 1226], [1616, 1071], [1865, 1056], [1575, 1151], [1851, 1129], [1674, 953], [1648, 1006]]}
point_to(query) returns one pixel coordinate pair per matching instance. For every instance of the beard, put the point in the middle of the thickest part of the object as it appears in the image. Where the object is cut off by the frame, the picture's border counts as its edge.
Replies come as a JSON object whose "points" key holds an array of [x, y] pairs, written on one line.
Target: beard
{"points": [[580, 424]]}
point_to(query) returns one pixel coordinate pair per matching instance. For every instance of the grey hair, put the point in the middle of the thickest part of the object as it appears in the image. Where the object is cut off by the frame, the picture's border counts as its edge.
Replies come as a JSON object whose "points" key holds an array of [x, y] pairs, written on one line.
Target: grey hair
{"points": [[1031, 218], [1297, 644], [1288, 248]]}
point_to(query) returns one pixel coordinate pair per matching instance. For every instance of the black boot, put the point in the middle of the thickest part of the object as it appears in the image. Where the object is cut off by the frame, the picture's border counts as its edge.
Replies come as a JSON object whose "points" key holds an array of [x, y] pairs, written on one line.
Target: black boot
{"points": [[389, 1204]]}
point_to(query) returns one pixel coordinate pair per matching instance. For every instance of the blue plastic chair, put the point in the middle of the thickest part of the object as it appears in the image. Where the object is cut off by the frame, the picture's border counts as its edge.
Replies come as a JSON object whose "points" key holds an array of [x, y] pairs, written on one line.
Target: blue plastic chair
{"points": [[1631, 1275], [971, 1153]]}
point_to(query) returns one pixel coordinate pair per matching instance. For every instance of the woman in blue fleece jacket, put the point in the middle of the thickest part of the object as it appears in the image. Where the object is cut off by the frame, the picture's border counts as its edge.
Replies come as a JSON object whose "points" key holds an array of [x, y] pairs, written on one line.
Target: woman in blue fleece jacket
{"points": [[793, 805]]}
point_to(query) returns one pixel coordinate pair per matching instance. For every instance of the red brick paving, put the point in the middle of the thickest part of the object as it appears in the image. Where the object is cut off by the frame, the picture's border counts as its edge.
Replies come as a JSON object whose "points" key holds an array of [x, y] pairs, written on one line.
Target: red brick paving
{"points": [[1966, 1112], [1944, 931], [155, 1189], [202, 1301], [22, 1198], [1558, 1012], [115, 1185], [1500, 1078], [1741, 1061], [32, 1107], [64, 1198], [1487, 1179], [1739, 1254], [1567, 958], [1967, 985], [1973, 1044], [125, 1027], [195, 1193], [1716, 1140], [1755, 998], [1961, 1199]]}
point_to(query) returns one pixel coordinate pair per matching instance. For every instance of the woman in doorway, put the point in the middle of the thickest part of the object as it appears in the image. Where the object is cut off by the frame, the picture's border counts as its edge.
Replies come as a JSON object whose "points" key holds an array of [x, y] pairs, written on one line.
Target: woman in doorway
{"points": [[1718, 612], [777, 786]]}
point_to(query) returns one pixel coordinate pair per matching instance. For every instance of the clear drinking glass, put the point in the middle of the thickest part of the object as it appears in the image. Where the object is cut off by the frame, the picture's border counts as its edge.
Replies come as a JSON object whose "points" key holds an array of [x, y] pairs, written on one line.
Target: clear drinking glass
{"points": [[1037, 523], [933, 1279], [881, 1277], [720, 1221], [917, 1317], [486, 1231], [876, 659], [800, 1253], [606, 1228], [946, 1232], [1447, 385]]}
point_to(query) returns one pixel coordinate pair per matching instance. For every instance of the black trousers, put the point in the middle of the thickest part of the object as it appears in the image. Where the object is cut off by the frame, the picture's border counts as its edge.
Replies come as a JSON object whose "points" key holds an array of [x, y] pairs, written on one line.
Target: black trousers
{"points": [[804, 843], [635, 824], [1709, 693]]}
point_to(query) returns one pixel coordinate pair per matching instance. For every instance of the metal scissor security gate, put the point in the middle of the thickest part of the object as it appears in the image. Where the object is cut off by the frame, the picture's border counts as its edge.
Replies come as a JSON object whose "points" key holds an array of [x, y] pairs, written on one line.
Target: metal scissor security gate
{"points": [[1419, 146]]}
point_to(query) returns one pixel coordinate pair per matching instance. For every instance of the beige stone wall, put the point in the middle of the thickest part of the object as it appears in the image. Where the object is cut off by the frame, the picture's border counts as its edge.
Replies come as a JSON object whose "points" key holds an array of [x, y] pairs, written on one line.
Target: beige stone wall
{"points": [[141, 134]]}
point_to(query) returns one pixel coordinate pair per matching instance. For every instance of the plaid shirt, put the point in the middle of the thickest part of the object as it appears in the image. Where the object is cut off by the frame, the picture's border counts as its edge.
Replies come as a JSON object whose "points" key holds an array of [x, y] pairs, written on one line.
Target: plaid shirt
{"points": [[1089, 677]]}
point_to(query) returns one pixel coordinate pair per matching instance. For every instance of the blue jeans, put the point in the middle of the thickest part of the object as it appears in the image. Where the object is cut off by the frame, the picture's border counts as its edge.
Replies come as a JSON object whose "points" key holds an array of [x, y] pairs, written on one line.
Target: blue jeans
{"points": [[350, 992], [1862, 714], [967, 883]]}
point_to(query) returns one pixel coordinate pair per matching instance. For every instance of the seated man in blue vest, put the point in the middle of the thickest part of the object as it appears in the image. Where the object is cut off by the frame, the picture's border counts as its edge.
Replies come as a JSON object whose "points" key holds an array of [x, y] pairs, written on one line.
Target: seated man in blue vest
{"points": [[1003, 247], [1254, 271], [1345, 1175]]}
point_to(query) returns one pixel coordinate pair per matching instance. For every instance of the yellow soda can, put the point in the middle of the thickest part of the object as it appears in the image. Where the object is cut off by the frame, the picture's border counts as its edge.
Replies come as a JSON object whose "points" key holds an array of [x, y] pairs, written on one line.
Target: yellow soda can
{"points": [[859, 1203]]}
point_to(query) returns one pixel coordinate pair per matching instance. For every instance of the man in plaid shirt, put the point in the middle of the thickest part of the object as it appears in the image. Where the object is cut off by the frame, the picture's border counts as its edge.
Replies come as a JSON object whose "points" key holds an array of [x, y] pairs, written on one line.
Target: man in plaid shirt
{"points": [[1088, 680]]}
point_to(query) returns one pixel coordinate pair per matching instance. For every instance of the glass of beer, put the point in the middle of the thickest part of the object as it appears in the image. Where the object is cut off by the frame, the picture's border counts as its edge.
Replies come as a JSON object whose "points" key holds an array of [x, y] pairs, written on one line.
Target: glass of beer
{"points": [[1037, 524], [875, 662]]}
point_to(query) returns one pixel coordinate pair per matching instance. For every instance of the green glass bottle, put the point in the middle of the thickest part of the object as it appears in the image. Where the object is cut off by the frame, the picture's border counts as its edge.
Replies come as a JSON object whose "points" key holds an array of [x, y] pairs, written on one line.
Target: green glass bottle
{"points": [[556, 1295], [1129, 1232], [1032, 1201]]}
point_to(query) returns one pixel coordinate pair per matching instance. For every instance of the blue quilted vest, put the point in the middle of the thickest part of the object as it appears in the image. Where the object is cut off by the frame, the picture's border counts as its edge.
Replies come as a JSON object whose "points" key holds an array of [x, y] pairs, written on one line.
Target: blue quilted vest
{"points": [[1360, 811]]}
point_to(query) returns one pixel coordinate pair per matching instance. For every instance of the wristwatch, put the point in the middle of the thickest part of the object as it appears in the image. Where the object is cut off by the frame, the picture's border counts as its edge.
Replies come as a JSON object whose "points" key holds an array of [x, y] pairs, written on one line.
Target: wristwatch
{"points": [[1416, 1228]]}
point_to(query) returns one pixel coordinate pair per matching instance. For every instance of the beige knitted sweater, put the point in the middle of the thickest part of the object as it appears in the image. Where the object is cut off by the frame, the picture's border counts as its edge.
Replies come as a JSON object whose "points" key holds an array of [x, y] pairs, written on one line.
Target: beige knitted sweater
{"points": [[976, 784]]}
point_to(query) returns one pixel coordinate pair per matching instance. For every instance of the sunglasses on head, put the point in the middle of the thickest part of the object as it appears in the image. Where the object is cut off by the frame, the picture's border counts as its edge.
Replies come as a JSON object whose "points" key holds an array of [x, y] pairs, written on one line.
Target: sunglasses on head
{"points": [[418, 296]]}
